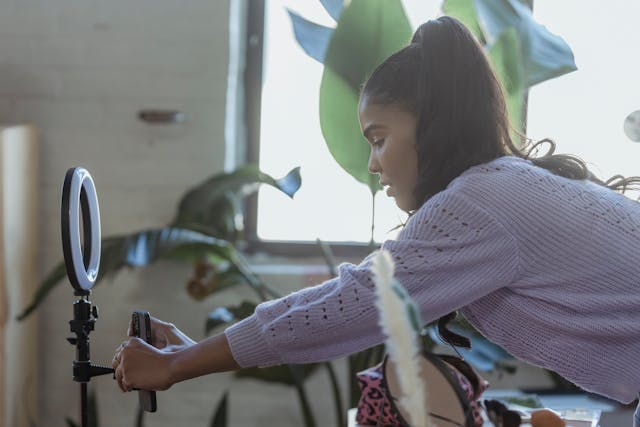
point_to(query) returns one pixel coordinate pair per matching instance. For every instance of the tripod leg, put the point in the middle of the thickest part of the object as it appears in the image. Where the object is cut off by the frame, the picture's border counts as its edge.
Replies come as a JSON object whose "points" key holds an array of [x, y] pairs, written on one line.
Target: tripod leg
{"points": [[83, 405]]}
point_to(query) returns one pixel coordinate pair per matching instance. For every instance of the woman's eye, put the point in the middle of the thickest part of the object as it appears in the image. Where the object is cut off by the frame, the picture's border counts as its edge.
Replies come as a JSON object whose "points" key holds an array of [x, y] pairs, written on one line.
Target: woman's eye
{"points": [[376, 142]]}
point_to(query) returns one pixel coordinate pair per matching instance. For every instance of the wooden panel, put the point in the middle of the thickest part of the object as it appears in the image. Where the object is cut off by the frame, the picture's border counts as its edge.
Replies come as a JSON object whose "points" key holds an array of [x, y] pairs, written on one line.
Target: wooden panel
{"points": [[18, 274]]}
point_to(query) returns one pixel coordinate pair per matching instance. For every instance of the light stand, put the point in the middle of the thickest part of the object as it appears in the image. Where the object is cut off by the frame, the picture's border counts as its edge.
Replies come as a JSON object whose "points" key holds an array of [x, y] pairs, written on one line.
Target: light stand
{"points": [[78, 192]]}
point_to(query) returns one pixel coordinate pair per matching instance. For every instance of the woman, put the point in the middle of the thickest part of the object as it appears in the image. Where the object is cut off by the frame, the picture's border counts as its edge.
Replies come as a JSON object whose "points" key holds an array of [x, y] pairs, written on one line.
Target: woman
{"points": [[540, 256]]}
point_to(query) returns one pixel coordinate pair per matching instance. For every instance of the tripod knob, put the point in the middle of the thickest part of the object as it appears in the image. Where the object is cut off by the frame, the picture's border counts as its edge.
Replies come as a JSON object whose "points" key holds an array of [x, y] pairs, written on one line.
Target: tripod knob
{"points": [[94, 311]]}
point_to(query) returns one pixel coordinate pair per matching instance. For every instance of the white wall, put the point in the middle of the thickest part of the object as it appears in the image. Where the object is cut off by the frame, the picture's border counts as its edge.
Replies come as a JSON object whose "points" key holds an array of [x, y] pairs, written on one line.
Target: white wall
{"points": [[80, 71]]}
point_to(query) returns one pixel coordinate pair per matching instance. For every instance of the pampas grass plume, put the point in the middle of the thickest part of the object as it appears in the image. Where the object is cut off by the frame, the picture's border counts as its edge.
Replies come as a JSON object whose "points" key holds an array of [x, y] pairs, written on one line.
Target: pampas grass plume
{"points": [[398, 320]]}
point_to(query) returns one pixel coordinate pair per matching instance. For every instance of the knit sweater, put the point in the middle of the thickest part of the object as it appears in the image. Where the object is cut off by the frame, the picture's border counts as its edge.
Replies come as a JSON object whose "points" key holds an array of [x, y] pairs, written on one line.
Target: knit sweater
{"points": [[546, 267]]}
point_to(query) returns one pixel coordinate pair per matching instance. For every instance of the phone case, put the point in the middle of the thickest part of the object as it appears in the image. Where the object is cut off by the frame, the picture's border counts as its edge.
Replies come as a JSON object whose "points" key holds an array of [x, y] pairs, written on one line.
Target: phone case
{"points": [[141, 328]]}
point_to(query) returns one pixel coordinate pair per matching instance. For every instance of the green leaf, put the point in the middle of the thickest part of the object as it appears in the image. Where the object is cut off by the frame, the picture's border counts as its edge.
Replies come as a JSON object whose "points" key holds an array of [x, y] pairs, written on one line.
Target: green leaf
{"points": [[484, 355], [313, 38], [465, 12], [50, 281], [341, 129], [220, 415], [333, 7], [139, 250], [284, 374], [507, 63], [368, 31], [142, 248], [200, 206], [229, 314], [544, 55], [411, 310]]}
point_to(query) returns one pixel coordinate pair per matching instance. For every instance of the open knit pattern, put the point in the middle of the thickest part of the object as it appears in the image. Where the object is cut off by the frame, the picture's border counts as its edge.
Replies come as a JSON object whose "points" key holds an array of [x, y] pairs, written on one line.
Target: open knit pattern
{"points": [[547, 267]]}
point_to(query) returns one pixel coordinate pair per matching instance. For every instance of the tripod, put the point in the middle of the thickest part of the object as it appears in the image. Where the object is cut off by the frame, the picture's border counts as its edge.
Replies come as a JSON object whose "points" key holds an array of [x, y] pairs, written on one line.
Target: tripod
{"points": [[78, 192], [84, 319]]}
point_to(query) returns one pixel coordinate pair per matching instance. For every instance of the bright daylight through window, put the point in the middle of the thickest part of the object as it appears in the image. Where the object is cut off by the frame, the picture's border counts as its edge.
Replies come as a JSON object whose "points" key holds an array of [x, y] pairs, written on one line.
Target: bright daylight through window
{"points": [[582, 111]]}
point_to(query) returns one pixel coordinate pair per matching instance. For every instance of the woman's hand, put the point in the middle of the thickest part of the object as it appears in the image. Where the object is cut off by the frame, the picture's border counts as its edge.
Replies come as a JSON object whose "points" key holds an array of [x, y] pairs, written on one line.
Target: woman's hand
{"points": [[174, 357], [166, 336], [142, 366]]}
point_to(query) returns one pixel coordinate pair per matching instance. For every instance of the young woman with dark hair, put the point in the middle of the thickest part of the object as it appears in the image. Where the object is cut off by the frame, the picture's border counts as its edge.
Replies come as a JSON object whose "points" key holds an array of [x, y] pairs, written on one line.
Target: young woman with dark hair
{"points": [[538, 254]]}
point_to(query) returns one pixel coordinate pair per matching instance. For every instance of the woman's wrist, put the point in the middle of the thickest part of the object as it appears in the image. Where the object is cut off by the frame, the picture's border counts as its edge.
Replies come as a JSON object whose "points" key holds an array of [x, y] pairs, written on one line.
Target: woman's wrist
{"points": [[176, 373], [175, 337], [206, 357]]}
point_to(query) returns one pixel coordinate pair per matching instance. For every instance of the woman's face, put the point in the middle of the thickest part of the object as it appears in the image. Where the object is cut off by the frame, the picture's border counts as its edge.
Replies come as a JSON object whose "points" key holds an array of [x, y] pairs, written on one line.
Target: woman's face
{"points": [[391, 132]]}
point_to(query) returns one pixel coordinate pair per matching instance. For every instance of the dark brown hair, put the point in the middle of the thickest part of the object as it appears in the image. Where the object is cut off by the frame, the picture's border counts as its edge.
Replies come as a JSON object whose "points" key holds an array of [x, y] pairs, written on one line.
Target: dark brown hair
{"points": [[444, 77]]}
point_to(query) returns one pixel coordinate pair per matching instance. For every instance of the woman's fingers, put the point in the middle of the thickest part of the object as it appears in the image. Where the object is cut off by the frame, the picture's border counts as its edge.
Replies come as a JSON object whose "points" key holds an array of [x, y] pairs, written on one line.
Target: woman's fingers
{"points": [[119, 375], [117, 364], [138, 364], [116, 356]]}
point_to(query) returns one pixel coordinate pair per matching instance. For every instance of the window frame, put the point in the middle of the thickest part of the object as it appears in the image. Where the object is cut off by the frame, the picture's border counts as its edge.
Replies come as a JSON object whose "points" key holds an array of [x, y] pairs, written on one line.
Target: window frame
{"points": [[252, 80], [253, 100]]}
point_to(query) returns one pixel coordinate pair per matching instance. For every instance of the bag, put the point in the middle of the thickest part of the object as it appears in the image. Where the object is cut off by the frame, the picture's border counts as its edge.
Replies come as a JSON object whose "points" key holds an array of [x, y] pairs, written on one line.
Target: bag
{"points": [[452, 387]]}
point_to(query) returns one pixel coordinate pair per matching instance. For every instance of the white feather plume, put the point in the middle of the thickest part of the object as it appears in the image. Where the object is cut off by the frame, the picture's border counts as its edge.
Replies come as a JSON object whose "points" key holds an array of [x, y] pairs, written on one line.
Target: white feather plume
{"points": [[402, 345]]}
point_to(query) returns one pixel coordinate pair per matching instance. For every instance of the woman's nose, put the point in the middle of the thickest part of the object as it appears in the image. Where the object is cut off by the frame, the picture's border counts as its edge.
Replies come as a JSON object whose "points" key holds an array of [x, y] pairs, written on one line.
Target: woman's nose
{"points": [[374, 166]]}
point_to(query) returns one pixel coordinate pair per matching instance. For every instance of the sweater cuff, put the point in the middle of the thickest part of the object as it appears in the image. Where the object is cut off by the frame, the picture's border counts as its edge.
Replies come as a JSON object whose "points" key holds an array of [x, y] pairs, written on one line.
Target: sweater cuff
{"points": [[248, 347]]}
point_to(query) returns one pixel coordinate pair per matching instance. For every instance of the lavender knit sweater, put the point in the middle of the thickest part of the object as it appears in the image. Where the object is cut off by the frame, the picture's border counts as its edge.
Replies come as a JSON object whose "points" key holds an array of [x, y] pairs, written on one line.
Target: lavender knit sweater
{"points": [[547, 267]]}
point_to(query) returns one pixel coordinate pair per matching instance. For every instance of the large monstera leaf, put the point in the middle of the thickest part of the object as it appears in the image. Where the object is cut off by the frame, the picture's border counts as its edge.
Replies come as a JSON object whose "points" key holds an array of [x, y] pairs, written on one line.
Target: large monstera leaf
{"points": [[523, 52], [368, 31]]}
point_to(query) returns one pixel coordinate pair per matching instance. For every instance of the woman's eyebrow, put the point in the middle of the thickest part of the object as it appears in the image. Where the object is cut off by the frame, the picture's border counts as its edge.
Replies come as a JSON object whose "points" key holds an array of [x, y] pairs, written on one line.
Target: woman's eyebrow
{"points": [[370, 128]]}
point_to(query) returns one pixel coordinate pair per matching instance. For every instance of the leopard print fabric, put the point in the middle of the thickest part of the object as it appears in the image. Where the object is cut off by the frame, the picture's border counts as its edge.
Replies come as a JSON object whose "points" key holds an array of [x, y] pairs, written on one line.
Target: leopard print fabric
{"points": [[374, 408]]}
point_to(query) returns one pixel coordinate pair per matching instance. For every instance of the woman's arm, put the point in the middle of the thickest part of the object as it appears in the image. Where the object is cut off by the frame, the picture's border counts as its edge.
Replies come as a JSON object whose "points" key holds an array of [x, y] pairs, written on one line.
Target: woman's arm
{"points": [[210, 355], [140, 365]]}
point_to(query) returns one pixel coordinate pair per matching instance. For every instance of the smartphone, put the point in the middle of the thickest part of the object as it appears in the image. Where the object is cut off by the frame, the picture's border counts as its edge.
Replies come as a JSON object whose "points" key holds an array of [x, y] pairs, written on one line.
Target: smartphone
{"points": [[141, 328]]}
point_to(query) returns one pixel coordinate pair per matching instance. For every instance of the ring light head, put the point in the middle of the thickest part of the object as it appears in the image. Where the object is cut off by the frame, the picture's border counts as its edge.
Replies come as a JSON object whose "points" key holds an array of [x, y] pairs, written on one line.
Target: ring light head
{"points": [[79, 195]]}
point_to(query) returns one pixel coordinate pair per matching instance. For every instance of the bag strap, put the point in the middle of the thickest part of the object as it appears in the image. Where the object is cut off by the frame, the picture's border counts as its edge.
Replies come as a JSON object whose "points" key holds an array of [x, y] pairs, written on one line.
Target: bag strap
{"points": [[439, 362], [465, 369], [450, 337]]}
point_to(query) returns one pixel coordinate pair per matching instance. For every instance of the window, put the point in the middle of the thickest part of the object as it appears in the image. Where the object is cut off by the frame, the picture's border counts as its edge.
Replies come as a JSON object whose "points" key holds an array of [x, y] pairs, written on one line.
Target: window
{"points": [[330, 205], [583, 112]]}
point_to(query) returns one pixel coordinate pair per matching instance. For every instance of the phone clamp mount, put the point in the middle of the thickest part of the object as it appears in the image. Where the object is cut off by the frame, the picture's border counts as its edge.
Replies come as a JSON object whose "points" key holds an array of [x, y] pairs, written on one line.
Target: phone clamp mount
{"points": [[82, 264]]}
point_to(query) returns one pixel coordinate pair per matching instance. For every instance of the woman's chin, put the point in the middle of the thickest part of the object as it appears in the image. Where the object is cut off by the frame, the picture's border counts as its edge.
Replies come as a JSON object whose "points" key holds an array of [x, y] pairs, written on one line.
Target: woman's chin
{"points": [[404, 205]]}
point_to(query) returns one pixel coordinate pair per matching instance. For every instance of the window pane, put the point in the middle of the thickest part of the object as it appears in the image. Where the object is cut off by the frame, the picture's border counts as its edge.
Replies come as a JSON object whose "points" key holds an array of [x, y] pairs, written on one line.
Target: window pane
{"points": [[330, 205], [584, 111]]}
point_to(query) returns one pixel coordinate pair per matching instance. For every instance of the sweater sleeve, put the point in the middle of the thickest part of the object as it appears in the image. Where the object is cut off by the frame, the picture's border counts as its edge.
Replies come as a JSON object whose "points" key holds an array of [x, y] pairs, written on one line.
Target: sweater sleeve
{"points": [[450, 254]]}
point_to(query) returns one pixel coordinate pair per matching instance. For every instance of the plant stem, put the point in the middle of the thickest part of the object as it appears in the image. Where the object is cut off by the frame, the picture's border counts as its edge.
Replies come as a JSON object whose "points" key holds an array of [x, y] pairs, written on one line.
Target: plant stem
{"points": [[328, 257], [373, 218], [309, 421], [337, 396], [357, 363], [254, 280]]}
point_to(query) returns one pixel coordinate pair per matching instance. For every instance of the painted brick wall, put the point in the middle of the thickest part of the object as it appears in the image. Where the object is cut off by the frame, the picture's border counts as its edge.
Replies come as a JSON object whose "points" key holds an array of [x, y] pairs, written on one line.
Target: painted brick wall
{"points": [[80, 71]]}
